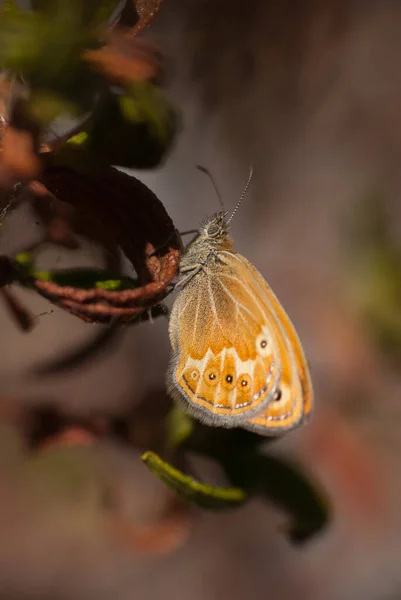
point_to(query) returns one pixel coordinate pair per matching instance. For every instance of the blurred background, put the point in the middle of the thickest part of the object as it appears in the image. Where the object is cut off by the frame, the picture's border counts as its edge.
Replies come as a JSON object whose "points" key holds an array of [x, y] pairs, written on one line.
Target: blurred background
{"points": [[309, 94]]}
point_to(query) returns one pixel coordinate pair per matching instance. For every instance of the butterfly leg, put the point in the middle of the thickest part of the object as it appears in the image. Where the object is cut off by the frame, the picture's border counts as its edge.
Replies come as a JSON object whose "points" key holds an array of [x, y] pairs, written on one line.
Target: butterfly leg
{"points": [[189, 272]]}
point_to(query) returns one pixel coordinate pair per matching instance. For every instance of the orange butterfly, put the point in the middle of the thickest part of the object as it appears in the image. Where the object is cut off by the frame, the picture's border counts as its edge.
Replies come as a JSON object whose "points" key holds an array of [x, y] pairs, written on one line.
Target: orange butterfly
{"points": [[237, 360]]}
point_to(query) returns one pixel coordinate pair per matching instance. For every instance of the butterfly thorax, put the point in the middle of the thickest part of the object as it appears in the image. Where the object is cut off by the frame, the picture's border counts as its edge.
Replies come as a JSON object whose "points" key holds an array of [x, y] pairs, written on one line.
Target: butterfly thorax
{"points": [[212, 238]]}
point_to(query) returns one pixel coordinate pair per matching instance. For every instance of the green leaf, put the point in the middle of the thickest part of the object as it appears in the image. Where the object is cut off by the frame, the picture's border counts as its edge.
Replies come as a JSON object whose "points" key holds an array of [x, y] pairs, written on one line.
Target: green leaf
{"points": [[145, 102], [238, 453], [25, 262], [286, 486], [201, 494], [218, 443], [78, 140], [46, 50], [81, 278], [144, 125], [31, 43]]}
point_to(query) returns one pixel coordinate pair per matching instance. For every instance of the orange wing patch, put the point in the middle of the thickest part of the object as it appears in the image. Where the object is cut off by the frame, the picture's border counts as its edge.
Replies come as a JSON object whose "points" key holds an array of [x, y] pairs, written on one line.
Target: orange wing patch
{"points": [[224, 385]]}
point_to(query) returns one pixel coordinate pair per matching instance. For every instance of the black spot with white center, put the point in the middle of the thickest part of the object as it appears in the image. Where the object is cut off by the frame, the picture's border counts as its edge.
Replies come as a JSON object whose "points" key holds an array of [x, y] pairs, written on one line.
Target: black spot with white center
{"points": [[212, 376], [244, 383], [263, 344], [229, 378]]}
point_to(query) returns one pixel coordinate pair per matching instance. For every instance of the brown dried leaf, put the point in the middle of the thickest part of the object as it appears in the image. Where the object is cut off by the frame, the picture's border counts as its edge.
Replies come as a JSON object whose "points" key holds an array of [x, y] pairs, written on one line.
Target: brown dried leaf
{"points": [[100, 306], [146, 10], [125, 58], [18, 159], [113, 205], [115, 210]]}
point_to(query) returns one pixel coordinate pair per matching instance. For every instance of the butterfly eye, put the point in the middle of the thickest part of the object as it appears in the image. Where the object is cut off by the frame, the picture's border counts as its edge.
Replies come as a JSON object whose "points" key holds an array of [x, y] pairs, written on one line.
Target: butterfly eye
{"points": [[213, 230]]}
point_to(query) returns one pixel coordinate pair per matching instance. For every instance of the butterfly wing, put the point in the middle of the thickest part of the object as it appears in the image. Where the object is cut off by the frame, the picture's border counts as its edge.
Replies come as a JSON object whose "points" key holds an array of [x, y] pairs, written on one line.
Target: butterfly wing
{"points": [[227, 353], [293, 400]]}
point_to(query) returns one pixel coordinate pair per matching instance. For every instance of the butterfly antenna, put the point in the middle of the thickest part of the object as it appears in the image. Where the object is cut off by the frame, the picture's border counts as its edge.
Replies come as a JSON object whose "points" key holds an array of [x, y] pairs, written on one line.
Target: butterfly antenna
{"points": [[216, 189], [248, 183]]}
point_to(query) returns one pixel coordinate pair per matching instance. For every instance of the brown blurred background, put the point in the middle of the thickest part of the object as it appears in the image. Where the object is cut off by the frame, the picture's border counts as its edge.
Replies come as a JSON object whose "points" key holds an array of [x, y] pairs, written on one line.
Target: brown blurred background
{"points": [[309, 93]]}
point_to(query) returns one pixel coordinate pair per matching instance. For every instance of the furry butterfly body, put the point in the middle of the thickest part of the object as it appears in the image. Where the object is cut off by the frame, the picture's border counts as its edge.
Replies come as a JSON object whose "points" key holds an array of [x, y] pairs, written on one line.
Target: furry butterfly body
{"points": [[236, 358]]}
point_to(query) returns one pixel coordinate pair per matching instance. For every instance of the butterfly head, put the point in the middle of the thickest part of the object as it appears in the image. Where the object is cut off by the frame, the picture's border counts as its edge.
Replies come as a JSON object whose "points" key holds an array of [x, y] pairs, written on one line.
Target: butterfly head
{"points": [[212, 237], [214, 232], [215, 226]]}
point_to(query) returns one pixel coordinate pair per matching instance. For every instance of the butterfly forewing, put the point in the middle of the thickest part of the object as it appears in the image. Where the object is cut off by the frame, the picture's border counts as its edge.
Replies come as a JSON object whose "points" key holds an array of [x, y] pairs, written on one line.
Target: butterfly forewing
{"points": [[227, 358]]}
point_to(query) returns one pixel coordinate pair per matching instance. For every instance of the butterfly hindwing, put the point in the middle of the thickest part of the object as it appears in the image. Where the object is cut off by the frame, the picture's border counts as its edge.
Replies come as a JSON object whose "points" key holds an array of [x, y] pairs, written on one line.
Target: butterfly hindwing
{"points": [[293, 400]]}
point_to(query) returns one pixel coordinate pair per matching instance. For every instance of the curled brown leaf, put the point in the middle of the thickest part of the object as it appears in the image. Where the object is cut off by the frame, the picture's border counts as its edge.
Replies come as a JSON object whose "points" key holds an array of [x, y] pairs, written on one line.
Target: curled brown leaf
{"points": [[117, 211]]}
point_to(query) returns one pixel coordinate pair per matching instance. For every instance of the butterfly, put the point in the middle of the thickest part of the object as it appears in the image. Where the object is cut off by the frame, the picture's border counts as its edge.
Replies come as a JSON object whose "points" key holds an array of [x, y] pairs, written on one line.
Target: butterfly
{"points": [[236, 358]]}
